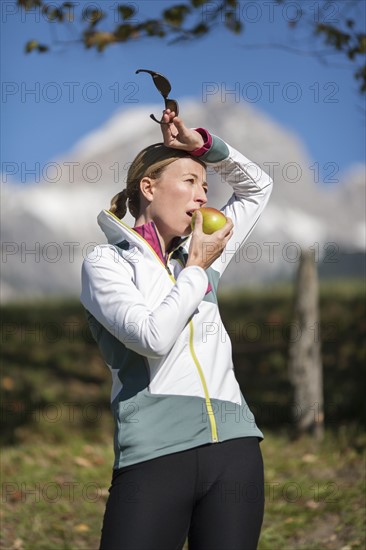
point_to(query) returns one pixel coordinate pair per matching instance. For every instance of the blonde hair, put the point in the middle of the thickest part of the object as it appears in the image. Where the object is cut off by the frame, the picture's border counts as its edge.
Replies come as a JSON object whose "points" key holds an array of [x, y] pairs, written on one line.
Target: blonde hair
{"points": [[150, 162]]}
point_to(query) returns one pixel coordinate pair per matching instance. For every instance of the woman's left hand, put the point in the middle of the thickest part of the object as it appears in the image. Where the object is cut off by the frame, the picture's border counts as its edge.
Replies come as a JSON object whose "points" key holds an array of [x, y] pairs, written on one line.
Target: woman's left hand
{"points": [[177, 135]]}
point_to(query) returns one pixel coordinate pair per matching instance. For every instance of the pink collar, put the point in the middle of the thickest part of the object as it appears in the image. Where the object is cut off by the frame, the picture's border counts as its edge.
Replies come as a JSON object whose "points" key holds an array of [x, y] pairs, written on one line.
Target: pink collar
{"points": [[149, 233]]}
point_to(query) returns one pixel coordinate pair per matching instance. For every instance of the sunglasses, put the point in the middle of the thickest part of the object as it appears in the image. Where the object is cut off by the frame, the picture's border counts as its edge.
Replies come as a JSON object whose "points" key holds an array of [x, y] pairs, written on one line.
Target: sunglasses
{"points": [[163, 86]]}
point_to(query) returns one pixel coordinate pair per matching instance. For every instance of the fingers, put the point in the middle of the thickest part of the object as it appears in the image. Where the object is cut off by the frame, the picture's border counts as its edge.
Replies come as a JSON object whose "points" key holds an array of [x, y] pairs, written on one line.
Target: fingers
{"points": [[225, 233], [226, 229], [205, 249], [169, 130], [177, 135], [179, 124], [198, 221], [222, 233], [165, 128], [168, 116], [228, 226]]}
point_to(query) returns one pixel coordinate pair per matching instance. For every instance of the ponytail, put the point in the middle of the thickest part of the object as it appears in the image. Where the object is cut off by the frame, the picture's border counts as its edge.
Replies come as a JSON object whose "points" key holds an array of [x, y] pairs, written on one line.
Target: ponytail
{"points": [[118, 204]]}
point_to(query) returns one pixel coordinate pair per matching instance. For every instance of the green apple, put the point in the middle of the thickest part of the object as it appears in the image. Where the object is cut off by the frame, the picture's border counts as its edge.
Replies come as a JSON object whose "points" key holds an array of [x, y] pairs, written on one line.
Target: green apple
{"points": [[212, 220]]}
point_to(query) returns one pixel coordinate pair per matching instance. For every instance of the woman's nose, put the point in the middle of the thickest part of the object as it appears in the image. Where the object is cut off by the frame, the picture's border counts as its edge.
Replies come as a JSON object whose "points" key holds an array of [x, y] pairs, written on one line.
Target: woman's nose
{"points": [[201, 197]]}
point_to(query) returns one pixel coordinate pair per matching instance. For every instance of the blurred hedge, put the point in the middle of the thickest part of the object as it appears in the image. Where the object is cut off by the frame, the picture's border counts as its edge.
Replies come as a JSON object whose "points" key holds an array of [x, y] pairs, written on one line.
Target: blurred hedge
{"points": [[54, 381]]}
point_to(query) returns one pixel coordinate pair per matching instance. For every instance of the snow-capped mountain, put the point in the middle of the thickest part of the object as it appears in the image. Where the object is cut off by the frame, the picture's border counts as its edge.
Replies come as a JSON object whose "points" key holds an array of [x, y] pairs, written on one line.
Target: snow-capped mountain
{"points": [[48, 227]]}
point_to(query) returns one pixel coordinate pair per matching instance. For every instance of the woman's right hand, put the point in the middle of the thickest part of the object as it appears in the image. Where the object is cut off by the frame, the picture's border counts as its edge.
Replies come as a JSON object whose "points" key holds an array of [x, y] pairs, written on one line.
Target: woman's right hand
{"points": [[205, 249]]}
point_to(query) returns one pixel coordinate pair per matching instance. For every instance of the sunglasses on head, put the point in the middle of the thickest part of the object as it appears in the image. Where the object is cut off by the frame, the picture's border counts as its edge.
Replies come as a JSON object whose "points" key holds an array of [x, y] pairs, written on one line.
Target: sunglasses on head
{"points": [[164, 87]]}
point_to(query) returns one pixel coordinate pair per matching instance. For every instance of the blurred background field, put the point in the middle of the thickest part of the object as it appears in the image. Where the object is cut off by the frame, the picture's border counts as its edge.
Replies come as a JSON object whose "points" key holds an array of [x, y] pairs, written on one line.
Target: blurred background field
{"points": [[57, 428], [74, 118]]}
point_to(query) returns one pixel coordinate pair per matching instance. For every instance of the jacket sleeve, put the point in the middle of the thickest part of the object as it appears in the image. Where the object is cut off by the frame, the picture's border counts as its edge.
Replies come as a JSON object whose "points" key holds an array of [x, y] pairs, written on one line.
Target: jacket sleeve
{"points": [[252, 188], [110, 295]]}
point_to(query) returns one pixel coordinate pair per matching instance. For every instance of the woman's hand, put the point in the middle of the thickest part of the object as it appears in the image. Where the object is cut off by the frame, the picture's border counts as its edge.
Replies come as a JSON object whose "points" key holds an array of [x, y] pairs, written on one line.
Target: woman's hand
{"points": [[177, 135], [205, 249]]}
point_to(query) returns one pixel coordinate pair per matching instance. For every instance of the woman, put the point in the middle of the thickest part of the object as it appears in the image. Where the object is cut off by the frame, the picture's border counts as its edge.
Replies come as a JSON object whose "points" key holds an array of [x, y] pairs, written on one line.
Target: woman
{"points": [[187, 455]]}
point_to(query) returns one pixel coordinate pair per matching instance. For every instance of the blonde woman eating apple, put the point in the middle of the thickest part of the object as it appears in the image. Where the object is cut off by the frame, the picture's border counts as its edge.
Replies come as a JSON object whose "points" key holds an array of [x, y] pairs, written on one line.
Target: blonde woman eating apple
{"points": [[187, 449]]}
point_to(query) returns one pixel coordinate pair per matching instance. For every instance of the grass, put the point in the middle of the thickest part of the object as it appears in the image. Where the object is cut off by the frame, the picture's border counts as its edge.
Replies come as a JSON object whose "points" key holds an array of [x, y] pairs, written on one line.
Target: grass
{"points": [[53, 496], [51, 361], [57, 427], [315, 494]]}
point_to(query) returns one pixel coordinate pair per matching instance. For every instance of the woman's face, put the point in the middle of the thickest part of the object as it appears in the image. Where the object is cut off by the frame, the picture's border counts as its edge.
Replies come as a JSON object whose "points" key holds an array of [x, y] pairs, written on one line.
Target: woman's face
{"points": [[179, 191]]}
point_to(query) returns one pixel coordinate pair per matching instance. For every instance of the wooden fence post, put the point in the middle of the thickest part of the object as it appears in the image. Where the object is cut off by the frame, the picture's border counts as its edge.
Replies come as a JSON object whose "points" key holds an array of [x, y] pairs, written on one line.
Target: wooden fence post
{"points": [[305, 364]]}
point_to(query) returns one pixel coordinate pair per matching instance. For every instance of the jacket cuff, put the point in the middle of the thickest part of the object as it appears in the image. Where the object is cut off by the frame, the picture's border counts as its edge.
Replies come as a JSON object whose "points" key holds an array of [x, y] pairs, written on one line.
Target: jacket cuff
{"points": [[218, 152], [207, 138]]}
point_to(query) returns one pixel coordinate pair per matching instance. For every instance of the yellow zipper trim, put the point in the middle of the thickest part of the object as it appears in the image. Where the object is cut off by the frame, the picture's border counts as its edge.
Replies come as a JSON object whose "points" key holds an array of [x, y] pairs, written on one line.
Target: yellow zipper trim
{"points": [[210, 412]]}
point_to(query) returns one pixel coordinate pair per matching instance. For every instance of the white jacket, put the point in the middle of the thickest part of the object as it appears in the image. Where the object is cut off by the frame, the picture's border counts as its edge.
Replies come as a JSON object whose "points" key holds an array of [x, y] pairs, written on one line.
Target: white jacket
{"points": [[159, 329]]}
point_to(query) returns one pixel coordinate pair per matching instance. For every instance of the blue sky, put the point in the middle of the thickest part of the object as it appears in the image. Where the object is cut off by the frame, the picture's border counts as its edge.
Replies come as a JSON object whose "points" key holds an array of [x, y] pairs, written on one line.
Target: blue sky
{"points": [[76, 90]]}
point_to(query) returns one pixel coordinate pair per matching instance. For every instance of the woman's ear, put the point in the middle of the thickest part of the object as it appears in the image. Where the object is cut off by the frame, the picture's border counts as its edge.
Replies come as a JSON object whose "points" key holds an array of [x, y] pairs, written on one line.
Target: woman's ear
{"points": [[147, 188]]}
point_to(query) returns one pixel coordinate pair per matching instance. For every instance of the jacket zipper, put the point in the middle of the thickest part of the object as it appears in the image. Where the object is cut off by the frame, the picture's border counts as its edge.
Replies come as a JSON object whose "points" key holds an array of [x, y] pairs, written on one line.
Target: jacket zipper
{"points": [[210, 412], [209, 409]]}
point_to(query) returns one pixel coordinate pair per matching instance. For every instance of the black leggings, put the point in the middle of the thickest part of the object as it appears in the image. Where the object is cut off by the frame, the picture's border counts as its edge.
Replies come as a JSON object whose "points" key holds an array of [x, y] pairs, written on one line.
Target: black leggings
{"points": [[214, 494]]}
